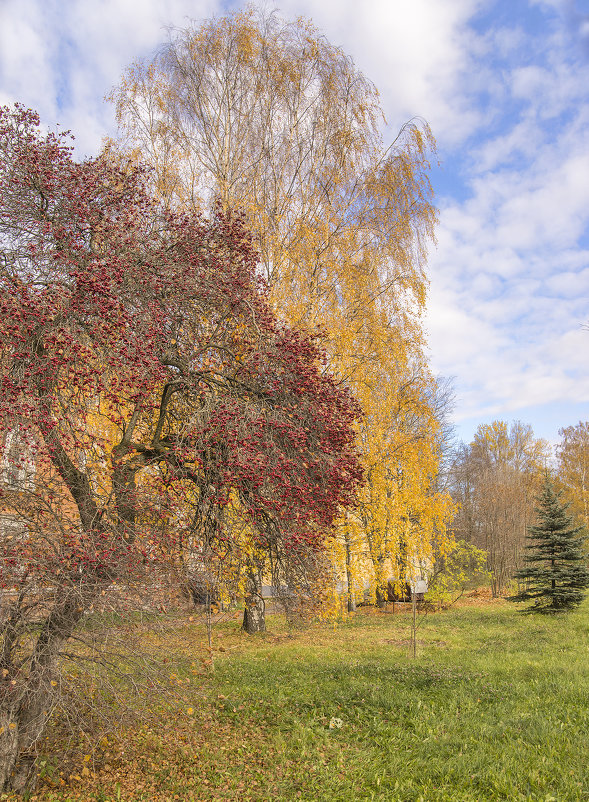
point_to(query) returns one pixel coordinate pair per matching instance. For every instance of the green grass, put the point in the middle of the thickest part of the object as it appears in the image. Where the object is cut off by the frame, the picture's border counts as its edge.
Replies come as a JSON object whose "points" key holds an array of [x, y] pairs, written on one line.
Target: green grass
{"points": [[494, 707]]}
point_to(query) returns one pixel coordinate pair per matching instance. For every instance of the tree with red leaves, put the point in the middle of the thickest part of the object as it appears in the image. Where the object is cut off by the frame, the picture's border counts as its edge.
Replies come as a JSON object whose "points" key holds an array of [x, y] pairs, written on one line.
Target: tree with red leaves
{"points": [[145, 389]]}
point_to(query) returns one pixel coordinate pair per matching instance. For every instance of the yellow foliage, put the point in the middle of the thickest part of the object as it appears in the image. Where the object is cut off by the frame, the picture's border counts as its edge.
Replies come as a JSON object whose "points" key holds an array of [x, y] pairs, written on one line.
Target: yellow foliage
{"points": [[573, 468], [272, 119]]}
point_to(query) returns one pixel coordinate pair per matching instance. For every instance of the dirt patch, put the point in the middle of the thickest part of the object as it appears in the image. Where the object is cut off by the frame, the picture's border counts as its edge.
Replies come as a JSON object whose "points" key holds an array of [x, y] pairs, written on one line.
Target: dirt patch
{"points": [[480, 597]]}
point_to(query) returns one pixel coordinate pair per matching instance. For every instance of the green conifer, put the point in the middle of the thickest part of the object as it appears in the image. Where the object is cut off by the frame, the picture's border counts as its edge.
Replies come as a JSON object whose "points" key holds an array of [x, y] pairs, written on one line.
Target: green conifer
{"points": [[555, 576]]}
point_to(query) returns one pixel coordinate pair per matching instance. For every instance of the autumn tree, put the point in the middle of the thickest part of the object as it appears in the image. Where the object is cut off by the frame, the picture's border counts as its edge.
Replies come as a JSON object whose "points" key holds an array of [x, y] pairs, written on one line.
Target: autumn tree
{"points": [[573, 467], [400, 518], [153, 396], [554, 577], [494, 482], [271, 118], [463, 567]]}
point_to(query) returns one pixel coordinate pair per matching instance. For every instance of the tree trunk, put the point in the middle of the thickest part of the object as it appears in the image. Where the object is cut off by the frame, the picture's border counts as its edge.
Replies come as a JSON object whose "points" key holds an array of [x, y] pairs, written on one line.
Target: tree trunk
{"points": [[23, 718], [413, 623], [381, 597], [254, 615], [349, 581]]}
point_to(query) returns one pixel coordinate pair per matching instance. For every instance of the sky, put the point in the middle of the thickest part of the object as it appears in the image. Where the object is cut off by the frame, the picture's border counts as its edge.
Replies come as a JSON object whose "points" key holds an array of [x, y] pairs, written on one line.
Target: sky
{"points": [[504, 85]]}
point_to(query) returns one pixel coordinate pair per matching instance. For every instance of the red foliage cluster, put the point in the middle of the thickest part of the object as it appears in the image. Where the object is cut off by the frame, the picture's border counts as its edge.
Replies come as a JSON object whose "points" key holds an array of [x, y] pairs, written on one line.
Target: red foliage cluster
{"points": [[141, 362]]}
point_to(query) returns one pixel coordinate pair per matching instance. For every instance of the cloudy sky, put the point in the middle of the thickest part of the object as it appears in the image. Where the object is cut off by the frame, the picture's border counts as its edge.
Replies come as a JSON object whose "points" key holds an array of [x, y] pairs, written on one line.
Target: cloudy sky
{"points": [[504, 86]]}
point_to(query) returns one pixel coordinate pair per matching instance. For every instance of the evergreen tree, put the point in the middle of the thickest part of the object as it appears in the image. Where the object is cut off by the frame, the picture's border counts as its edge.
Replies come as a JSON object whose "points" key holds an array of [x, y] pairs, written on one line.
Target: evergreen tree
{"points": [[554, 576]]}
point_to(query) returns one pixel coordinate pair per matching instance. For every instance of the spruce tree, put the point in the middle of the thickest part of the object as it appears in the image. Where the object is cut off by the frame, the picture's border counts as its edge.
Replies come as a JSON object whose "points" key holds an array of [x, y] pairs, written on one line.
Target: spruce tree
{"points": [[554, 577]]}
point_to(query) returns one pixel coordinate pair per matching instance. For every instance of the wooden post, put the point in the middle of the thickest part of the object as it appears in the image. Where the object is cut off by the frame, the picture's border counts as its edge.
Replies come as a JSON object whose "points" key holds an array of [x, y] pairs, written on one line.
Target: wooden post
{"points": [[414, 621], [210, 626]]}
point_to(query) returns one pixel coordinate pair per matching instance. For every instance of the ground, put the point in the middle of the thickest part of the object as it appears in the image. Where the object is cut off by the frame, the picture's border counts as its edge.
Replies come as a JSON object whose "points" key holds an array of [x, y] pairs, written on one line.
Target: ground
{"points": [[495, 706]]}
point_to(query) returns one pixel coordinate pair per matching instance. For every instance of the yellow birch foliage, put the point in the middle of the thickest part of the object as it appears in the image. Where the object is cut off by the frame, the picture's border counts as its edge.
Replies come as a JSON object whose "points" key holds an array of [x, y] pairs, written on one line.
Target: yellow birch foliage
{"points": [[270, 118], [573, 468]]}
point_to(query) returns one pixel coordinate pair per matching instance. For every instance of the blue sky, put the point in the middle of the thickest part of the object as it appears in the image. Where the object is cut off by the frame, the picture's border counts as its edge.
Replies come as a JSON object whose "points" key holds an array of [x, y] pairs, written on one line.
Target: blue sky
{"points": [[504, 86]]}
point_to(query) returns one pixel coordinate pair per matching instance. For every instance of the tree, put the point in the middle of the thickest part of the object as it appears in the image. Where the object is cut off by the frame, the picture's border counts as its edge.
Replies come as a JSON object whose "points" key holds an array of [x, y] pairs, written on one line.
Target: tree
{"points": [[400, 518], [554, 575], [462, 568], [495, 479], [573, 467], [157, 397], [271, 118]]}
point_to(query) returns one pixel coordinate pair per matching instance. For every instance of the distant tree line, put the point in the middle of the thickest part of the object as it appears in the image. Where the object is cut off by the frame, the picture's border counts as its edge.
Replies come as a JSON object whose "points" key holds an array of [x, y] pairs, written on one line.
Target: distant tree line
{"points": [[495, 481]]}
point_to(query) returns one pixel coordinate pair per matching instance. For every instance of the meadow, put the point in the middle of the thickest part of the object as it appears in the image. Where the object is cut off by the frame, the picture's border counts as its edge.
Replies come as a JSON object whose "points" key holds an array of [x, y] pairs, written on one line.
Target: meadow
{"points": [[495, 706]]}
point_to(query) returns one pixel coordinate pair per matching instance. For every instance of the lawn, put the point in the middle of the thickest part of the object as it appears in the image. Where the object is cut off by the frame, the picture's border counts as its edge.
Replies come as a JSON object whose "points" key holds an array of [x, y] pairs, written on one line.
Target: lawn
{"points": [[495, 706]]}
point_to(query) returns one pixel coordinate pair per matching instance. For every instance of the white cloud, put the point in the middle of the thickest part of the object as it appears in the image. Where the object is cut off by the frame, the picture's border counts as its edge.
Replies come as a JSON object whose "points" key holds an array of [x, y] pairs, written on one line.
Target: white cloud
{"points": [[62, 58], [571, 285], [24, 55], [417, 52], [509, 270]]}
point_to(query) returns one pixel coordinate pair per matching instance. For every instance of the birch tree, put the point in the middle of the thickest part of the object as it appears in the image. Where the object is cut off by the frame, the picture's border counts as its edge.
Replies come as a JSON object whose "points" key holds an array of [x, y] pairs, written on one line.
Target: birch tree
{"points": [[268, 116], [496, 479], [573, 468]]}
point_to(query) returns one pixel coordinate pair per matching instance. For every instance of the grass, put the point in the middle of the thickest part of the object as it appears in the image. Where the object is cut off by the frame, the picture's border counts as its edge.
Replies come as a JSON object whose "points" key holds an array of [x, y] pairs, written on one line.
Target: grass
{"points": [[494, 707]]}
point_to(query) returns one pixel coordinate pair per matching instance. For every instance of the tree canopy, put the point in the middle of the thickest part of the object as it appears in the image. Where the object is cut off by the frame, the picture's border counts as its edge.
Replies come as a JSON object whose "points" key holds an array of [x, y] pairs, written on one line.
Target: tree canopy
{"points": [[495, 480], [154, 393], [573, 467], [271, 118]]}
